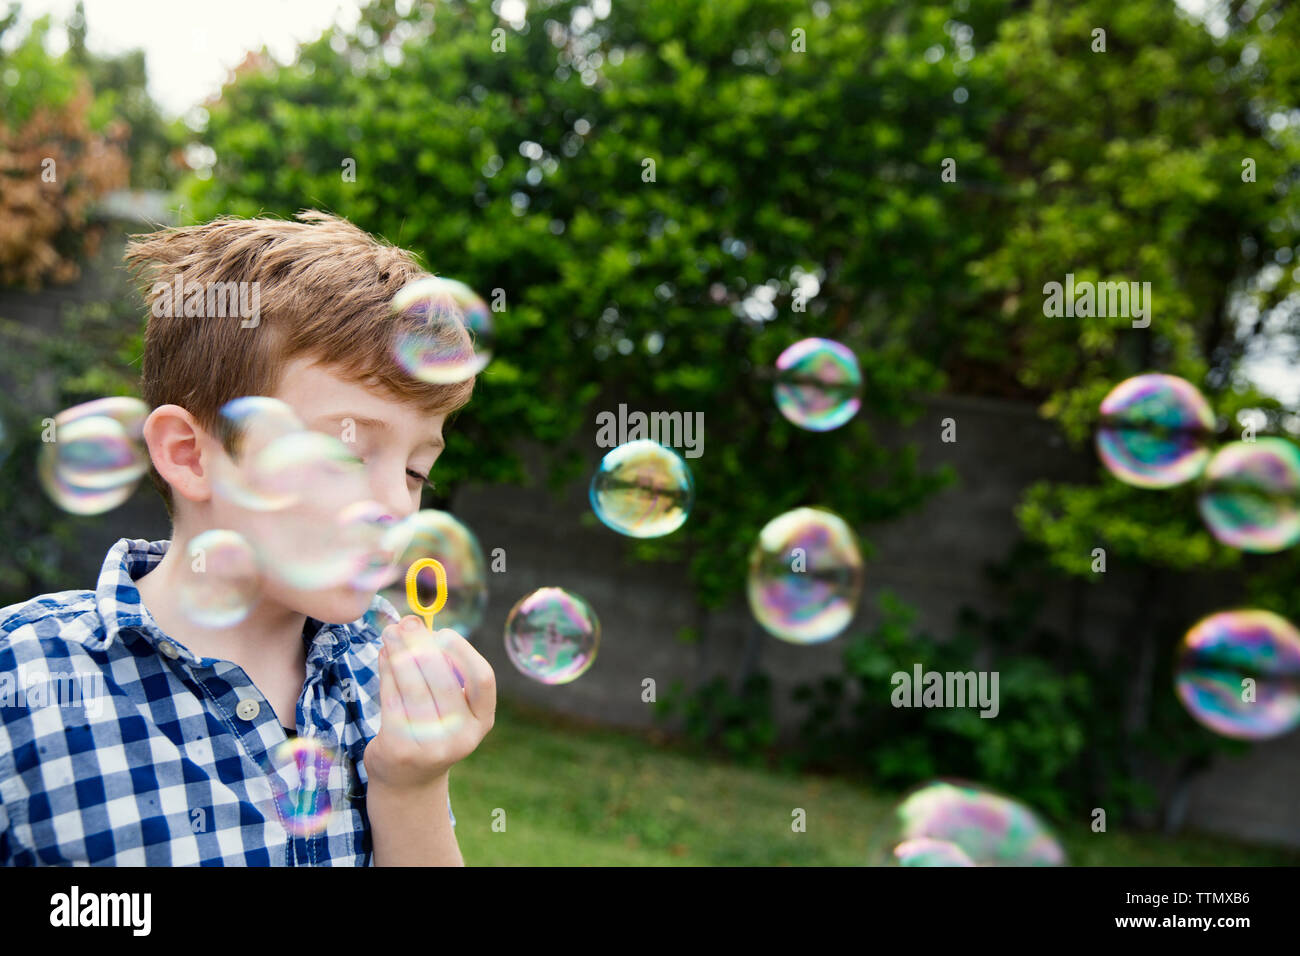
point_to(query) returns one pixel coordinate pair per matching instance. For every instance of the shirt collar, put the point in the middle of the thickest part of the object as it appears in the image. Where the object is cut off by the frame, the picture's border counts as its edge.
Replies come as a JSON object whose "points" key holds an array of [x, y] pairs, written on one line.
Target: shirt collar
{"points": [[123, 612]]}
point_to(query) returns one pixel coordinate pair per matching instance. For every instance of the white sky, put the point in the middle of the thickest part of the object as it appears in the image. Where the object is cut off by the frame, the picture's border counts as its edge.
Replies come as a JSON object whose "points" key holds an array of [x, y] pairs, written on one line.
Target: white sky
{"points": [[190, 45]]}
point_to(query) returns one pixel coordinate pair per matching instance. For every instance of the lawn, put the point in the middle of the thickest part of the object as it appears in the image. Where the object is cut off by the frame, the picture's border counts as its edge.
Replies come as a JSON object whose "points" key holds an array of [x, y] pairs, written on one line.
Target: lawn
{"points": [[575, 795]]}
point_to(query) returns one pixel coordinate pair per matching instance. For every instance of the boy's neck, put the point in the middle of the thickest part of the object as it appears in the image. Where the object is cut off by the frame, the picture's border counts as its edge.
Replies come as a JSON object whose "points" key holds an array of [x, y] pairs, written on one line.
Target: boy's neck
{"points": [[270, 633]]}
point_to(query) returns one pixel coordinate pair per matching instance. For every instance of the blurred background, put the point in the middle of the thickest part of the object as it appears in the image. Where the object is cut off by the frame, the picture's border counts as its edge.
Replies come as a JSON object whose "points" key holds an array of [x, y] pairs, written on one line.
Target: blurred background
{"points": [[799, 152]]}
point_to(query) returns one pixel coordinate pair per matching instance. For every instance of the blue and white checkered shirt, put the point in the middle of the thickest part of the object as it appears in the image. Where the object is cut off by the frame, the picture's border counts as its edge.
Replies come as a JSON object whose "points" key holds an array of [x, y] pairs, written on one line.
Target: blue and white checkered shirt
{"points": [[118, 746]]}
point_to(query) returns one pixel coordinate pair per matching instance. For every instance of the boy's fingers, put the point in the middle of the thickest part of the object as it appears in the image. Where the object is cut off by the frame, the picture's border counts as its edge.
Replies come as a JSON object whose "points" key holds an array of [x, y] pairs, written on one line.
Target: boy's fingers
{"points": [[421, 711], [435, 667], [391, 712], [480, 679]]}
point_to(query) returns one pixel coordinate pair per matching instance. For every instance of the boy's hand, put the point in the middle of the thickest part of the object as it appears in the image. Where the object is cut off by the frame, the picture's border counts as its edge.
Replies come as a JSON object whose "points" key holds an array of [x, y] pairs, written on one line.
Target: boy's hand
{"points": [[427, 721]]}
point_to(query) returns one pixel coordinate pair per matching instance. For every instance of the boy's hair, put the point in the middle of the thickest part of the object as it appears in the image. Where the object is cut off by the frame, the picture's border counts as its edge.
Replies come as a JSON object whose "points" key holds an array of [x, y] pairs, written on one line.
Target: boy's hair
{"points": [[325, 289]]}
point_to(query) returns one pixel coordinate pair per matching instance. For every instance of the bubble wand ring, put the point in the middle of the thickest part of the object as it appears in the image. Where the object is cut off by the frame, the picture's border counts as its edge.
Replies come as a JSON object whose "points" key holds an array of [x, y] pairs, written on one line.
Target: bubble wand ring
{"points": [[413, 594]]}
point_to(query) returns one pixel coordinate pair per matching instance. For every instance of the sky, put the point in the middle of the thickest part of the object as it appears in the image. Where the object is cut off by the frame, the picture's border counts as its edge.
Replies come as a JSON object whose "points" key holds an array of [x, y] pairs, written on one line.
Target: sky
{"points": [[190, 45]]}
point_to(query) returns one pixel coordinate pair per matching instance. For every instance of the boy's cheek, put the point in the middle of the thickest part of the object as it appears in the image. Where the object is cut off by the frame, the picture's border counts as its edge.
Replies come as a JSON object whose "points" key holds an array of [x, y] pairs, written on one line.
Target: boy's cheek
{"points": [[336, 605]]}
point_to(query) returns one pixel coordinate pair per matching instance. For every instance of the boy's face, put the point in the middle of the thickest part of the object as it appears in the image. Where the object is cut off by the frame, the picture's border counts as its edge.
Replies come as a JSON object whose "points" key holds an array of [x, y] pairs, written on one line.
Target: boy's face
{"points": [[395, 447]]}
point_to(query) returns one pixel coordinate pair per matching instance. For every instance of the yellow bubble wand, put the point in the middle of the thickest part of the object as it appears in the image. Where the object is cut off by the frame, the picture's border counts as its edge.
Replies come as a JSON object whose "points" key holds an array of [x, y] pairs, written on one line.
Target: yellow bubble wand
{"points": [[413, 593]]}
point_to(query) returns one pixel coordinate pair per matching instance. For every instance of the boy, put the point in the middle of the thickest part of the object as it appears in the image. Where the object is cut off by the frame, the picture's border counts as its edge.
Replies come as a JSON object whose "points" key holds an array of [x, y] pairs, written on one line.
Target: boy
{"points": [[180, 761]]}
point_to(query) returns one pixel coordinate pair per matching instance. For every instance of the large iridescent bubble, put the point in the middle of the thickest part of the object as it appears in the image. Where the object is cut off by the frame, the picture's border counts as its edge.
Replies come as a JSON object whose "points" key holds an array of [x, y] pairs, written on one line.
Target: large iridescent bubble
{"points": [[947, 823], [643, 490], [1155, 431], [1251, 496], [439, 535], [97, 457], [805, 576], [818, 384], [552, 635], [434, 315], [221, 579], [1238, 673]]}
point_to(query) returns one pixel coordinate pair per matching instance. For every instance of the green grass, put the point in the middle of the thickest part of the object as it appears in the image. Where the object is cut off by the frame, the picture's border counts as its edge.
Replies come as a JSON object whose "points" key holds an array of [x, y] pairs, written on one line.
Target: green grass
{"points": [[576, 795]]}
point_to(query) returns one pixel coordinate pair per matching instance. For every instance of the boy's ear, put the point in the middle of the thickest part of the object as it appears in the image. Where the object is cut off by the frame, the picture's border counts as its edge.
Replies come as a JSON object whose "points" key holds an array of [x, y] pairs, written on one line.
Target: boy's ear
{"points": [[176, 444]]}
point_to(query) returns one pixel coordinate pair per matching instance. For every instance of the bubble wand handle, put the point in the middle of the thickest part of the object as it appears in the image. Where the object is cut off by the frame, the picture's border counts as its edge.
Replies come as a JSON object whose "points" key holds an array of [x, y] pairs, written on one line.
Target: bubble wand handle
{"points": [[413, 594]]}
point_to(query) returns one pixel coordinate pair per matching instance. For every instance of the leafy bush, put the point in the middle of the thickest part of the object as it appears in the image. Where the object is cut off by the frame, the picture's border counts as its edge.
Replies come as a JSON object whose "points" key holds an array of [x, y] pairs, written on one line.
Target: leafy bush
{"points": [[739, 724]]}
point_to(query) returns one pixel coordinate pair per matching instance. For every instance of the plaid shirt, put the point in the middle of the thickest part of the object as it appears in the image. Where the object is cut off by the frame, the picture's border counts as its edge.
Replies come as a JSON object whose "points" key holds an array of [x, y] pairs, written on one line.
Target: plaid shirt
{"points": [[118, 746]]}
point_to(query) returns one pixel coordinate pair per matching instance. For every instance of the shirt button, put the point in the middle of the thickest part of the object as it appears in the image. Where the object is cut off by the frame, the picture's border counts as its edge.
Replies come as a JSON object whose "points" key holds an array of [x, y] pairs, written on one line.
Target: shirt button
{"points": [[247, 709], [169, 650]]}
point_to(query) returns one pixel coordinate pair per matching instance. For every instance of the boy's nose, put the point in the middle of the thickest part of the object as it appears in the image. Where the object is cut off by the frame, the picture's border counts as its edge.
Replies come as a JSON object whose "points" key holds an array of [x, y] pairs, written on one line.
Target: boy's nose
{"points": [[395, 498]]}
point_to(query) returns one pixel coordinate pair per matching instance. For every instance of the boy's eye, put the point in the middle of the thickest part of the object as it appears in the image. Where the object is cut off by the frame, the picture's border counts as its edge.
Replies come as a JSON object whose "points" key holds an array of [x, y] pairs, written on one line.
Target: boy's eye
{"points": [[422, 478], [410, 472]]}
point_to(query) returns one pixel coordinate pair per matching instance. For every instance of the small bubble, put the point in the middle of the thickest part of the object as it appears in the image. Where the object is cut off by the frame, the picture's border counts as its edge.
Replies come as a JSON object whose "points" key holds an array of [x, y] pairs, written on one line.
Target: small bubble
{"points": [[819, 384], [552, 635], [1220, 653], [643, 490], [1155, 431]]}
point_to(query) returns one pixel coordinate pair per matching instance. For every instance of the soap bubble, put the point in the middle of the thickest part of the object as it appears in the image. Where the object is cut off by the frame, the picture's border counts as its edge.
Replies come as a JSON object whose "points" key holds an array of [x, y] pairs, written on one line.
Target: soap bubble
{"points": [[805, 576], [819, 384], [371, 542], [1155, 431], [928, 852], [985, 829], [1251, 497], [306, 465], [98, 455], [221, 581], [642, 490], [128, 412], [552, 635], [430, 344], [255, 423], [309, 782], [439, 535], [96, 452], [74, 500], [355, 547], [1220, 653]]}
